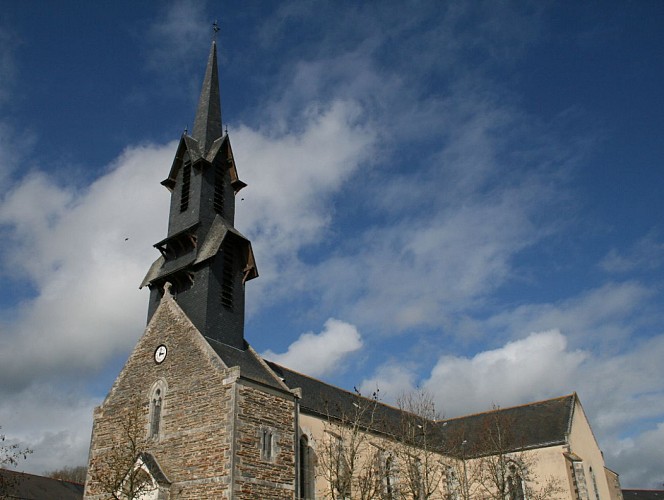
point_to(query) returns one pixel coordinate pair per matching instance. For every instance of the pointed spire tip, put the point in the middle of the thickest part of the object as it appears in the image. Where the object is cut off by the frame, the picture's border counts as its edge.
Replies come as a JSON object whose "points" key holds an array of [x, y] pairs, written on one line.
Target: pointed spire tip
{"points": [[207, 124]]}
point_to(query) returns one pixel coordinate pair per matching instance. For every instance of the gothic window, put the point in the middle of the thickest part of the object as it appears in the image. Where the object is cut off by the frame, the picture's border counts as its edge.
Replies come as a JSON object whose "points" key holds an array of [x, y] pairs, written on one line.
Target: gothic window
{"points": [[218, 202], [415, 478], [306, 475], [156, 409], [186, 184], [341, 473], [390, 479], [267, 444], [515, 486], [228, 274], [453, 483]]}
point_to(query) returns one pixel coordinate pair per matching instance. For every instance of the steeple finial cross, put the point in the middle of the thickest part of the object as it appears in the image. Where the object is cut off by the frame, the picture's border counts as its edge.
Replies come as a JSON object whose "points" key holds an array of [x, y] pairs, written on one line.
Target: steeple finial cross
{"points": [[215, 29]]}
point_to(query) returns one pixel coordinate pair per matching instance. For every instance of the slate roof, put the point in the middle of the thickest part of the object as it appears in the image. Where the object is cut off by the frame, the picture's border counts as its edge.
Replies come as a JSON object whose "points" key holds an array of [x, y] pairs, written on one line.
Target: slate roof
{"points": [[534, 425], [152, 465], [30, 487], [214, 238], [643, 494], [252, 367], [325, 400]]}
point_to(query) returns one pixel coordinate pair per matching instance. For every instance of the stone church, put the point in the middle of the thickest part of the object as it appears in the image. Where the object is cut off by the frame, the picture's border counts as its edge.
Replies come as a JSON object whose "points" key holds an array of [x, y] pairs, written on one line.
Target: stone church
{"points": [[196, 413]]}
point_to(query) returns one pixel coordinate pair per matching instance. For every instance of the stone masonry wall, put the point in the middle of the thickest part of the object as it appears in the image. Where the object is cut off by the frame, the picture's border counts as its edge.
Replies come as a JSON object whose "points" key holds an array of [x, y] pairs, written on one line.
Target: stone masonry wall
{"points": [[195, 443], [257, 478]]}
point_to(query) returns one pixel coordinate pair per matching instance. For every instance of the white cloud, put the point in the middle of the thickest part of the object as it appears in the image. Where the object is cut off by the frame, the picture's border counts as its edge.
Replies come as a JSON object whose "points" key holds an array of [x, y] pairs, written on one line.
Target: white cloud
{"points": [[54, 423], [418, 270], [179, 30], [640, 460], [519, 371], [317, 354], [624, 388], [85, 253], [292, 178], [604, 317], [516, 373], [646, 254], [392, 380]]}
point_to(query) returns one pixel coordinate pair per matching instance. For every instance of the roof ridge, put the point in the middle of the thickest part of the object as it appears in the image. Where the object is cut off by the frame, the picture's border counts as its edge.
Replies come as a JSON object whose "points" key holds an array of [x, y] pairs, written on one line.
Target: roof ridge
{"points": [[22, 473], [499, 409], [353, 394]]}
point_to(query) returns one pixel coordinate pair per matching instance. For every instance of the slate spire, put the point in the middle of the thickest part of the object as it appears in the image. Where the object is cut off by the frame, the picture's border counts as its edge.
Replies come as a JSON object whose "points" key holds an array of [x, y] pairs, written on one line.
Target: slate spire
{"points": [[207, 124], [203, 257]]}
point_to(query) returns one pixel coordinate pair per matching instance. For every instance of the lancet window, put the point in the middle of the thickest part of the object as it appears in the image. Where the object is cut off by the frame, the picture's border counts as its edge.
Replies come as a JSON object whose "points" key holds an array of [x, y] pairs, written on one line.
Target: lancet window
{"points": [[156, 409], [306, 472]]}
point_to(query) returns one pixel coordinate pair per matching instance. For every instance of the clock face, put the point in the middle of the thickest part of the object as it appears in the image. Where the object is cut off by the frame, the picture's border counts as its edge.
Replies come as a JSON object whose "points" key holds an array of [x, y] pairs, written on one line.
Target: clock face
{"points": [[160, 353]]}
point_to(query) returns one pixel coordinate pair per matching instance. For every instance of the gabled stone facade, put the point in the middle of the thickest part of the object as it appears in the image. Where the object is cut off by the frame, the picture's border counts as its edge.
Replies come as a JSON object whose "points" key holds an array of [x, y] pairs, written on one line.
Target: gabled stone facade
{"points": [[209, 440]]}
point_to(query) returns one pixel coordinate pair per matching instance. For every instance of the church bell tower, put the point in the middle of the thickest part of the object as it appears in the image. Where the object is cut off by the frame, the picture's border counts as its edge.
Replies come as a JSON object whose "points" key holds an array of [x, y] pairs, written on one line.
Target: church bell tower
{"points": [[204, 258]]}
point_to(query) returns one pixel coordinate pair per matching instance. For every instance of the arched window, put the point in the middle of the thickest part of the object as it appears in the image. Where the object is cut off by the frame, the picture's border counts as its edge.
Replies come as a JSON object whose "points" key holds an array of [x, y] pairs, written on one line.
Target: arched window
{"points": [[157, 395], [341, 473], [389, 478], [414, 476], [453, 483], [306, 469], [515, 485]]}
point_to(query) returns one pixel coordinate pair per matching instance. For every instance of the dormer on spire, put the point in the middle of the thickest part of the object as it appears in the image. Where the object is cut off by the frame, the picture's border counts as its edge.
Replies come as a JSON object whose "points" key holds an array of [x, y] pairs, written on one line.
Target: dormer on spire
{"points": [[207, 124]]}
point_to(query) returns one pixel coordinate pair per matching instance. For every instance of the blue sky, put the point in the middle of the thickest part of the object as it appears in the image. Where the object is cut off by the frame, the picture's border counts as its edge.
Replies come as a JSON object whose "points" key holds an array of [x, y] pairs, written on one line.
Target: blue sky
{"points": [[460, 196]]}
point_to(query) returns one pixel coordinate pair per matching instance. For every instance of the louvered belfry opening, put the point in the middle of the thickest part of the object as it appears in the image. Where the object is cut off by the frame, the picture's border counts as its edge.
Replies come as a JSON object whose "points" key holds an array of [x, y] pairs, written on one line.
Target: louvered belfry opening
{"points": [[218, 203], [186, 186], [228, 274]]}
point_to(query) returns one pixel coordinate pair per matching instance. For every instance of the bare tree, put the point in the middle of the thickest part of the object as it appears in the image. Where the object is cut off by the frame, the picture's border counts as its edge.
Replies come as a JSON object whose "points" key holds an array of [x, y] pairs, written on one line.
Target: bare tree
{"points": [[349, 460], [412, 455], [10, 455], [417, 450], [497, 467], [118, 471], [72, 474]]}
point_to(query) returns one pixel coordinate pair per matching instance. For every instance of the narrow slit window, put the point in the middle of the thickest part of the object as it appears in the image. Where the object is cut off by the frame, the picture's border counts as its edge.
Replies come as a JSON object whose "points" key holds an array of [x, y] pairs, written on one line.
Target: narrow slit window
{"points": [[389, 477], [218, 202], [186, 186], [267, 448]]}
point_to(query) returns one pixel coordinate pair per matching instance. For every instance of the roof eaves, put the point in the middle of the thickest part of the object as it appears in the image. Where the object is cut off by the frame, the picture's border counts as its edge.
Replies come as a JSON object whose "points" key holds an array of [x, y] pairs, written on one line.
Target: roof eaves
{"points": [[153, 272]]}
